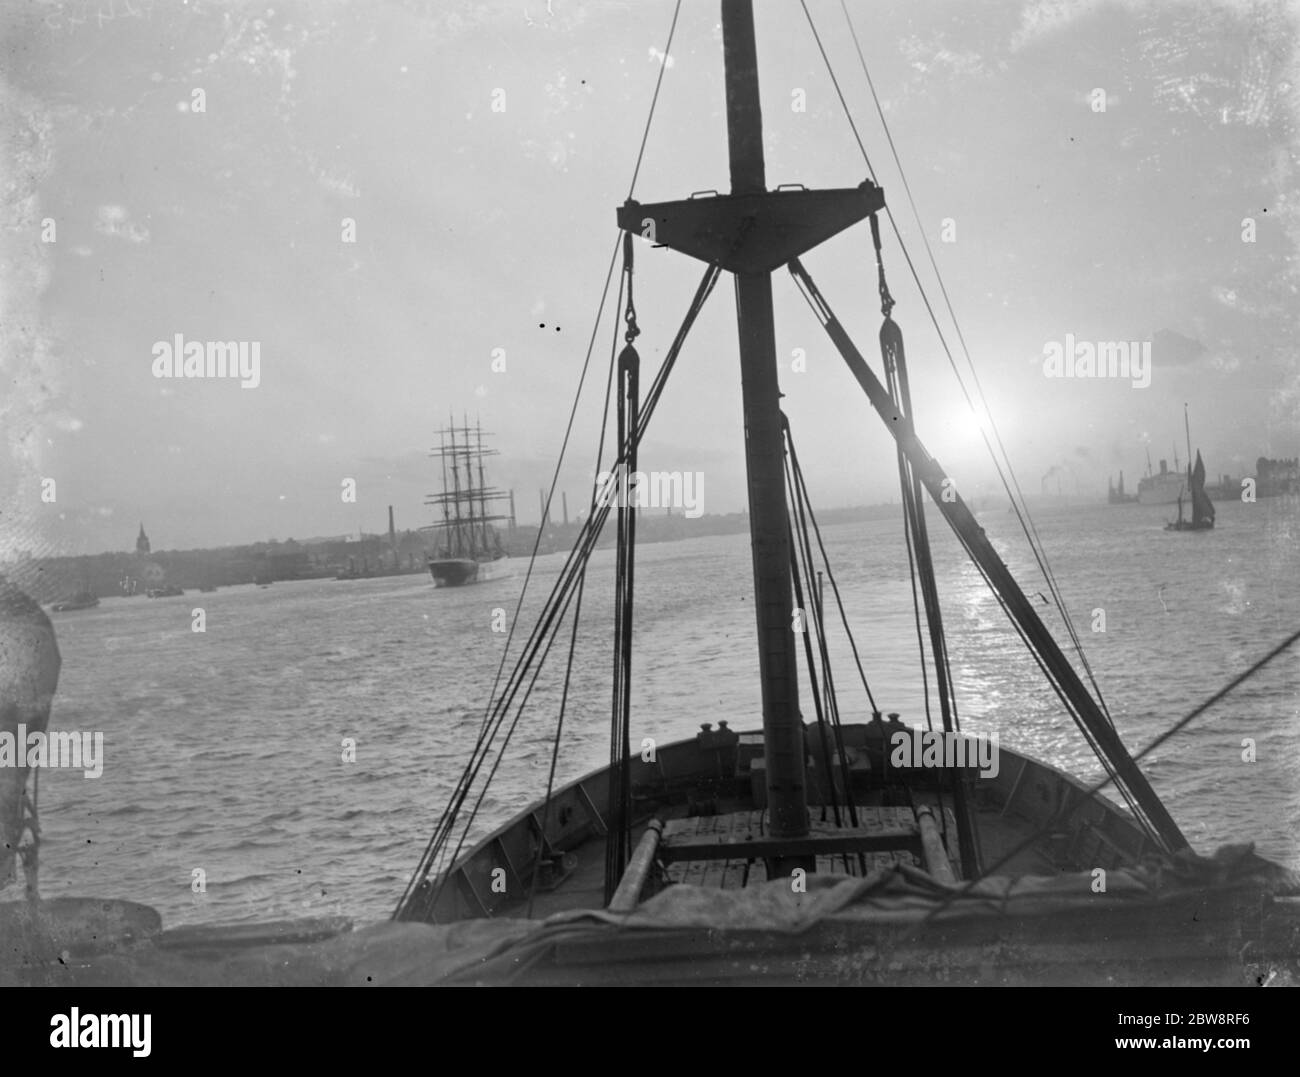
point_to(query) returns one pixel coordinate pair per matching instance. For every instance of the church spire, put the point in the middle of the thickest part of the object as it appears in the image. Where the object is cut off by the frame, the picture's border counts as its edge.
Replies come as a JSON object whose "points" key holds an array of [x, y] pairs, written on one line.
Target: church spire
{"points": [[142, 541]]}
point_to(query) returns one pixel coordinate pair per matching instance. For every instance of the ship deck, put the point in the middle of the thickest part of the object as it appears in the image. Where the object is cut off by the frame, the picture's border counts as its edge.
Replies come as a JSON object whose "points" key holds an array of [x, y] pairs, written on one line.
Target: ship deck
{"points": [[712, 785], [538, 883]]}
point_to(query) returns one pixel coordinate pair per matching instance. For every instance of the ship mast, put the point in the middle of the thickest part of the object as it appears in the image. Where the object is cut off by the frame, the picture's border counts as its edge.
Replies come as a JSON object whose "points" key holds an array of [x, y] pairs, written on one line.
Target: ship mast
{"points": [[764, 449], [482, 484], [458, 540], [749, 233]]}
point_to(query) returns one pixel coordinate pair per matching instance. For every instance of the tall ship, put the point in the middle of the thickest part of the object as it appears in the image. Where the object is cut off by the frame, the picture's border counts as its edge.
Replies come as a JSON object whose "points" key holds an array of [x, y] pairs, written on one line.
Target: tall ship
{"points": [[467, 547]]}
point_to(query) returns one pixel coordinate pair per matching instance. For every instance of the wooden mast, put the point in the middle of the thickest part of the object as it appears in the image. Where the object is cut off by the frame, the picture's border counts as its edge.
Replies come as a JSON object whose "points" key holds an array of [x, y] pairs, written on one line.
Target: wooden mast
{"points": [[750, 232], [764, 451]]}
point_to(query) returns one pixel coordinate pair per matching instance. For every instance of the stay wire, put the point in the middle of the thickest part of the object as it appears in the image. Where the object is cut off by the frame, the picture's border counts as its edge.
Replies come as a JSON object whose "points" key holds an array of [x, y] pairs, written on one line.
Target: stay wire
{"points": [[582, 378], [654, 100], [835, 589], [561, 591], [824, 314], [1017, 497], [1093, 791]]}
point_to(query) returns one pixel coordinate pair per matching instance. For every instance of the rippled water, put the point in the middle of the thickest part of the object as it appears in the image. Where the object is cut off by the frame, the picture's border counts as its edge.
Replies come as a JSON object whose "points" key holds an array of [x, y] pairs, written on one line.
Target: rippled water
{"points": [[223, 749]]}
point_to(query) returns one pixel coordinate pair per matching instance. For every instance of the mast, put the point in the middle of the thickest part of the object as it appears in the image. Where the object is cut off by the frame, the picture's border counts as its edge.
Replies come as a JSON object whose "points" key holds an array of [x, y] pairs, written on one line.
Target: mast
{"points": [[454, 548], [466, 516], [446, 510], [764, 449], [1187, 429], [482, 485], [750, 232]]}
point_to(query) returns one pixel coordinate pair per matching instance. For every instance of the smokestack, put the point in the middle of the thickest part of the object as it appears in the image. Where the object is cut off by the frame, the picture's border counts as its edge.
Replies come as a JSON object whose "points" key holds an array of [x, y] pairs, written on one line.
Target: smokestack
{"points": [[512, 512], [564, 504], [392, 536], [541, 505]]}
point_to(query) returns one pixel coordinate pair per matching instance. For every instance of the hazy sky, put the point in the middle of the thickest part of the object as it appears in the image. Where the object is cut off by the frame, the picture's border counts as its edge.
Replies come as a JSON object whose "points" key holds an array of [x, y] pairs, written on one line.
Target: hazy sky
{"points": [[479, 230]]}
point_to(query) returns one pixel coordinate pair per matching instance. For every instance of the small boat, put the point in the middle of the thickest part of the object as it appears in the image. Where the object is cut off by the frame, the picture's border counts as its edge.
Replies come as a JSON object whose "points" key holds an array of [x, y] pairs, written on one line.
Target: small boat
{"points": [[467, 548], [170, 591], [1202, 507], [81, 600]]}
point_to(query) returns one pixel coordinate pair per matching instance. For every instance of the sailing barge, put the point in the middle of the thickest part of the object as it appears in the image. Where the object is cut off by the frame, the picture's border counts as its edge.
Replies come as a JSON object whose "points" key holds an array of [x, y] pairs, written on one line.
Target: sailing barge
{"points": [[801, 851], [1202, 507]]}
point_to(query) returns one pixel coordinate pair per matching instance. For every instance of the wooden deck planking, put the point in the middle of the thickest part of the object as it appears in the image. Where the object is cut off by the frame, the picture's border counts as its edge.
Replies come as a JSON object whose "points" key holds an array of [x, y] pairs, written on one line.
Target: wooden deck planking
{"points": [[729, 832]]}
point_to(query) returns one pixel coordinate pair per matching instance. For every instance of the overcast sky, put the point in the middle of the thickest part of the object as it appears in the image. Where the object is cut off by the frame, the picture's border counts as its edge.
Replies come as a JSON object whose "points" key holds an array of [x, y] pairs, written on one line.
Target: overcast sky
{"points": [[479, 230]]}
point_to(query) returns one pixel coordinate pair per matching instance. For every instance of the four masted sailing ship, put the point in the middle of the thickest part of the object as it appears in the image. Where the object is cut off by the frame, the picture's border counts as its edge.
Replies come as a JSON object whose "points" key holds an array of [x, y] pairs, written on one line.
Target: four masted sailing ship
{"points": [[467, 547]]}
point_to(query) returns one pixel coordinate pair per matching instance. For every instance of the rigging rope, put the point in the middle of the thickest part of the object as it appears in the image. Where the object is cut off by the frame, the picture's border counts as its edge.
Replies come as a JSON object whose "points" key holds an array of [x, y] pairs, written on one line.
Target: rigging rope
{"points": [[827, 318], [559, 732], [534, 652], [446, 820], [1015, 495], [1017, 498], [920, 563], [807, 525], [577, 560], [1066, 811], [619, 835], [654, 100], [461, 789], [835, 590]]}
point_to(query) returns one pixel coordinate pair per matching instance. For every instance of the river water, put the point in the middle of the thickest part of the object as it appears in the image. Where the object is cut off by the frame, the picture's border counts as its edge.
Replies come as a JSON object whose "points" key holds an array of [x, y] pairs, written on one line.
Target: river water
{"points": [[223, 749]]}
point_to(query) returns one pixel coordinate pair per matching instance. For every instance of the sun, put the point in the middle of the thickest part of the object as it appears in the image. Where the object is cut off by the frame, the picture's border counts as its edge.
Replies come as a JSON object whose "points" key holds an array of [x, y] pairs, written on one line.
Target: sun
{"points": [[970, 423]]}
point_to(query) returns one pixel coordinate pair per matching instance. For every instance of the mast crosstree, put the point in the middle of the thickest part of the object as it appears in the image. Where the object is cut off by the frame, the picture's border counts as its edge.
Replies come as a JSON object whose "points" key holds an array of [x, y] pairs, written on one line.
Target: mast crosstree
{"points": [[750, 232]]}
